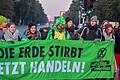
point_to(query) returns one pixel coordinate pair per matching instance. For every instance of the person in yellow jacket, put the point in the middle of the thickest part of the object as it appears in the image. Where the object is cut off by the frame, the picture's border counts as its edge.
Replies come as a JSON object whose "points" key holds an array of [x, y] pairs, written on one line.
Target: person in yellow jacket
{"points": [[59, 32]]}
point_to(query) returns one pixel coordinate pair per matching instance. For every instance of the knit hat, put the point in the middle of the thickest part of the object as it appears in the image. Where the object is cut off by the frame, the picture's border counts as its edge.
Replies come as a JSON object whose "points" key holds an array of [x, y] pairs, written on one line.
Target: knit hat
{"points": [[94, 18], [68, 19], [3, 19], [60, 20]]}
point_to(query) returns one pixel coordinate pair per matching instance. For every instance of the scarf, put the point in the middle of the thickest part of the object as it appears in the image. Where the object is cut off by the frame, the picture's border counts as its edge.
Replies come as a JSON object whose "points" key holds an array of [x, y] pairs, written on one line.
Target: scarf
{"points": [[8, 36], [31, 36]]}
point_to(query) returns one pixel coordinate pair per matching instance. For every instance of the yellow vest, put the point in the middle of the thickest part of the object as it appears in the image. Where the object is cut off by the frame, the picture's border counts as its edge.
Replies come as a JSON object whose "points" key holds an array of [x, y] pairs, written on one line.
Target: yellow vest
{"points": [[59, 35]]}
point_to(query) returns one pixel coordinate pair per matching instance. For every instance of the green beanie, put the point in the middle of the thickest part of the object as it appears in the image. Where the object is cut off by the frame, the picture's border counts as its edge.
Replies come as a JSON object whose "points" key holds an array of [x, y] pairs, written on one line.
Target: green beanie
{"points": [[3, 19], [60, 20]]}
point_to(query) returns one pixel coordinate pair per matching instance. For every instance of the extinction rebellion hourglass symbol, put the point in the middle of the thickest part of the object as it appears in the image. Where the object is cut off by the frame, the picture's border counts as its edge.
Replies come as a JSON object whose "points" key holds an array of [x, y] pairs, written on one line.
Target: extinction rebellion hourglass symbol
{"points": [[101, 53], [102, 63]]}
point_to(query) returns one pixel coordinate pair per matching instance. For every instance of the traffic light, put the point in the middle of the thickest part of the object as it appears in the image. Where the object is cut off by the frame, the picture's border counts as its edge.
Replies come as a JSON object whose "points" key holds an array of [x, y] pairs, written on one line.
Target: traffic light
{"points": [[89, 10], [89, 6]]}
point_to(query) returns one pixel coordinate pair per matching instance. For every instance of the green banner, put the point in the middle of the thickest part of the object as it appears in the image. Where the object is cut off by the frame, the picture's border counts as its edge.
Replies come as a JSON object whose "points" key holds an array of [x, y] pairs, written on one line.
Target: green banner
{"points": [[56, 59]]}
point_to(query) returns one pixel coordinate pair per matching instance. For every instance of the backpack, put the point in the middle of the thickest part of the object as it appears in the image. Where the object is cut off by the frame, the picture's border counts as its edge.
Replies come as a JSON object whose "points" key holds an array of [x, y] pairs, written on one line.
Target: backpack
{"points": [[88, 31]]}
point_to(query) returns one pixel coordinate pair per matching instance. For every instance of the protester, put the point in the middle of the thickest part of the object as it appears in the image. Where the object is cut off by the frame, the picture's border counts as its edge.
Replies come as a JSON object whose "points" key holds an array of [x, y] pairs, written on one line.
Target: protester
{"points": [[104, 23], [32, 33], [71, 28], [116, 26], [91, 31], [11, 34], [117, 47], [3, 21], [44, 32], [59, 32], [108, 33]]}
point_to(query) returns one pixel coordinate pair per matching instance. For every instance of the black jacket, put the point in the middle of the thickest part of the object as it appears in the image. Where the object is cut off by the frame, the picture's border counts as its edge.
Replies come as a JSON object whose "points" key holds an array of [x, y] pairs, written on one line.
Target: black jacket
{"points": [[44, 34], [117, 41], [91, 32]]}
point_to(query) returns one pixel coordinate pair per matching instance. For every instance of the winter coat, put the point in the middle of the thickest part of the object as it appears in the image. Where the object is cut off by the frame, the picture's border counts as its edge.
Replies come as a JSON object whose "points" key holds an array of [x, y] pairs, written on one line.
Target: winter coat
{"points": [[43, 33], [89, 32], [1, 34], [108, 37], [31, 36], [8, 36], [117, 41], [73, 33]]}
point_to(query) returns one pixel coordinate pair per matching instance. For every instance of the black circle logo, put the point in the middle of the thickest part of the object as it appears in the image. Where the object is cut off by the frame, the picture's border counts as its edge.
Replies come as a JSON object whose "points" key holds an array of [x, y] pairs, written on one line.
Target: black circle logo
{"points": [[102, 53]]}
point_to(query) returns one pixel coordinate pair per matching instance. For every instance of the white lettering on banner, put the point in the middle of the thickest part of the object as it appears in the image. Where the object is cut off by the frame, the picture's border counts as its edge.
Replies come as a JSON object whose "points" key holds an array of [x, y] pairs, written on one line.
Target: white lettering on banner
{"points": [[68, 67], [1, 68], [15, 68], [41, 67], [33, 67], [76, 66], [64, 66], [22, 67], [83, 66], [7, 64], [49, 66], [57, 66], [8, 68]]}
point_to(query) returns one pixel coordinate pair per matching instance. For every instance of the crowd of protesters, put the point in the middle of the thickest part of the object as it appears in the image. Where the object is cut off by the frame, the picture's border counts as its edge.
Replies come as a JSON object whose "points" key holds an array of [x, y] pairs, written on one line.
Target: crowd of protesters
{"points": [[64, 29]]}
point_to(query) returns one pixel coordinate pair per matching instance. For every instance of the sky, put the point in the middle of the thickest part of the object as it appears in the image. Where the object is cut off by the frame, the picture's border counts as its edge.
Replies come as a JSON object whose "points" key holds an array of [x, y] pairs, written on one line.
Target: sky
{"points": [[53, 7]]}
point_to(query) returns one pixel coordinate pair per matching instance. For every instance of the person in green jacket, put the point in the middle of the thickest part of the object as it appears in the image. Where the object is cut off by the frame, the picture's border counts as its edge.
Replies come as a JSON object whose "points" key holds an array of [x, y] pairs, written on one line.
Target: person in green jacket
{"points": [[58, 31]]}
